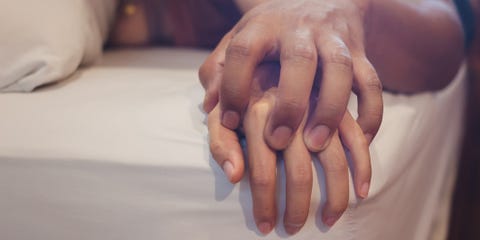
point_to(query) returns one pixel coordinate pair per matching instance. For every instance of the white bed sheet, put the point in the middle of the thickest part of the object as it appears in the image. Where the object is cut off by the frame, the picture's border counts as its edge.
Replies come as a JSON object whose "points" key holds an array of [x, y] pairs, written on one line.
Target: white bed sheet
{"points": [[119, 151]]}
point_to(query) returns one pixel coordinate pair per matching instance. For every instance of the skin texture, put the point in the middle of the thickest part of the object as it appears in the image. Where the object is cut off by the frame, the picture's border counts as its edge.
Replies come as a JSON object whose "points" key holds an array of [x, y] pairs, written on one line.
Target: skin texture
{"points": [[415, 47], [405, 45], [301, 47], [326, 49], [314, 61], [262, 160]]}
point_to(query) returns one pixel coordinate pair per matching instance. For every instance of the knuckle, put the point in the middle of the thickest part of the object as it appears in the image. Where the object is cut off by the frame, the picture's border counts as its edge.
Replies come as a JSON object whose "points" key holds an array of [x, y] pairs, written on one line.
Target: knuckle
{"points": [[240, 48], [332, 113], [290, 111], [215, 147], [375, 117], [340, 56], [303, 53], [292, 106], [335, 166], [373, 84], [371, 81], [261, 181], [259, 110], [301, 179]]}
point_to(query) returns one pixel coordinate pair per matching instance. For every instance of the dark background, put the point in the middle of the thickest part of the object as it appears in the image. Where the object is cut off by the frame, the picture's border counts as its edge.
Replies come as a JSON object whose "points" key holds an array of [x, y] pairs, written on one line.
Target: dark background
{"points": [[465, 216]]}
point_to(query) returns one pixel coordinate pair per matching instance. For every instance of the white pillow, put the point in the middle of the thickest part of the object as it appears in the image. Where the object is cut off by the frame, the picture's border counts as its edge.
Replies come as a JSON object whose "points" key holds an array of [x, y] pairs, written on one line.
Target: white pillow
{"points": [[46, 41]]}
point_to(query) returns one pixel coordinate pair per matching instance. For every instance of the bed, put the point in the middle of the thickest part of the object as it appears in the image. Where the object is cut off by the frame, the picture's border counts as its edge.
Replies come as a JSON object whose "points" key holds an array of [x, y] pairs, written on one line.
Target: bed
{"points": [[119, 151]]}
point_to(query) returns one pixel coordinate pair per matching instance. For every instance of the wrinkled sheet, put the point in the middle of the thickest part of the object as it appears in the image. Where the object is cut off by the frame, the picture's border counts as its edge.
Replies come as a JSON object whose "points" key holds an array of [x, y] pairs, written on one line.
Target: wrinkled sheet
{"points": [[119, 151]]}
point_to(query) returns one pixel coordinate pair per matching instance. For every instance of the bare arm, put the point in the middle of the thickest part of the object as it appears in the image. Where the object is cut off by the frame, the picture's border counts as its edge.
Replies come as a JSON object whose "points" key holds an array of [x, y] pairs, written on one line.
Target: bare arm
{"points": [[414, 45]]}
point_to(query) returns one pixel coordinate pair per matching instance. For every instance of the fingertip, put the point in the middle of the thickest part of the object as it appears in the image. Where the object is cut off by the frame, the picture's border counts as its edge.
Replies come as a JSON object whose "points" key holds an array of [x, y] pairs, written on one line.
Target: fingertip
{"points": [[236, 174], [265, 227], [333, 211], [330, 220], [280, 137], [317, 138], [331, 216], [363, 193], [228, 169], [362, 182], [233, 166], [230, 119], [236, 178]]}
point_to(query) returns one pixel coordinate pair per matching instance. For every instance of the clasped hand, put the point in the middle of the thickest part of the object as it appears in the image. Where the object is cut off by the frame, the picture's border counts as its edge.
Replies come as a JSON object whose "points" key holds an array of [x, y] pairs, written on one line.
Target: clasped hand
{"points": [[285, 73]]}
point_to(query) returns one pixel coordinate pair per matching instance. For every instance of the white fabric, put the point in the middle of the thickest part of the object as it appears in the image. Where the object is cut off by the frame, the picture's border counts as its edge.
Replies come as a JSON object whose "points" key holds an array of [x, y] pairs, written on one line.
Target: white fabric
{"points": [[119, 151], [45, 41]]}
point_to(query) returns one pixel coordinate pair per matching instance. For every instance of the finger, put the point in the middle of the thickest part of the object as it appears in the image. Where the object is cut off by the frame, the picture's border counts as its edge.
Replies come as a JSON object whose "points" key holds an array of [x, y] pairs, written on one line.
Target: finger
{"points": [[262, 168], [370, 102], [334, 165], [354, 139], [298, 66], [335, 89], [225, 147], [211, 73], [298, 168], [245, 51]]}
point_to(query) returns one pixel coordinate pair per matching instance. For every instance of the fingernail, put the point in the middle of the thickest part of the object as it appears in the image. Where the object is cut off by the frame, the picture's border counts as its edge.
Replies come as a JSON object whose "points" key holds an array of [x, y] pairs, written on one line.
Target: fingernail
{"points": [[228, 169], [318, 136], [364, 190], [330, 220], [265, 227], [292, 228], [281, 136], [230, 119]]}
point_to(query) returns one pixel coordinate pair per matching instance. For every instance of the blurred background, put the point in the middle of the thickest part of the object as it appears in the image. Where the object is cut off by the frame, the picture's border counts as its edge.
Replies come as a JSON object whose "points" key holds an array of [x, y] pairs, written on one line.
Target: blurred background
{"points": [[465, 216]]}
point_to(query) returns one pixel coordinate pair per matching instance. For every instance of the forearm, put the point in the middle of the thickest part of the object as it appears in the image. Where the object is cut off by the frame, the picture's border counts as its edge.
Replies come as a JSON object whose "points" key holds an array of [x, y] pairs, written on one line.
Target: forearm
{"points": [[414, 46]]}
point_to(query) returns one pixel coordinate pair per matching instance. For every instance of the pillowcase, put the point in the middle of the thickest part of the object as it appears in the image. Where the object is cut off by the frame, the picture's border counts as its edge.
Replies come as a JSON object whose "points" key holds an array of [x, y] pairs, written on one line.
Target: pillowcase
{"points": [[46, 41]]}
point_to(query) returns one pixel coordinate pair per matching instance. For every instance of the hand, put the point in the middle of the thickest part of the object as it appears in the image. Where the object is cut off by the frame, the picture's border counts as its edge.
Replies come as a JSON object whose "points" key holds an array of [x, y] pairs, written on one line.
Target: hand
{"points": [[226, 150], [306, 37]]}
